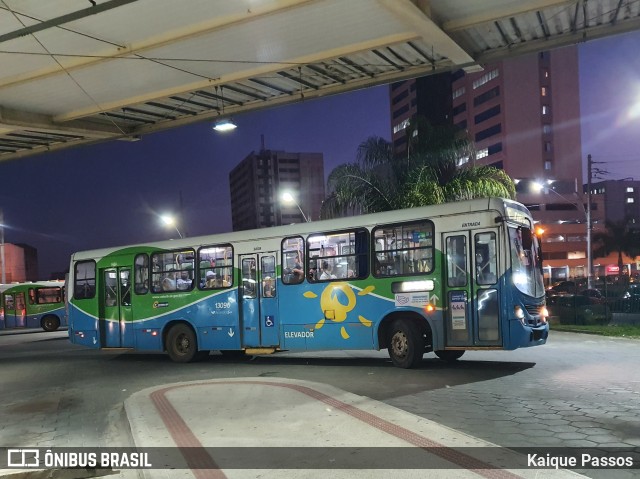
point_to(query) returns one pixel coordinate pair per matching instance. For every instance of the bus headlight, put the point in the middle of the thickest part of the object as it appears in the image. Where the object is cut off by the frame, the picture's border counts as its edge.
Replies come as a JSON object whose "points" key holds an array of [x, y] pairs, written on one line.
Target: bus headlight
{"points": [[544, 313], [519, 312]]}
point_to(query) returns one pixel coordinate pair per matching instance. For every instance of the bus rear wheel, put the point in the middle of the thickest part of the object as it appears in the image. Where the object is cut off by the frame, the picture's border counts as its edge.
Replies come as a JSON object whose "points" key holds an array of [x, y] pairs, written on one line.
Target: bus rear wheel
{"points": [[449, 355], [182, 345], [405, 344], [50, 323]]}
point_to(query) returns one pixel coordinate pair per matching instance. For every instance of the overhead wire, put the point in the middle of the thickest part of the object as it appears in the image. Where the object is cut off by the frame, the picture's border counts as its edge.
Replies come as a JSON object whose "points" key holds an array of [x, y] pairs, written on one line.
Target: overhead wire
{"points": [[76, 82]]}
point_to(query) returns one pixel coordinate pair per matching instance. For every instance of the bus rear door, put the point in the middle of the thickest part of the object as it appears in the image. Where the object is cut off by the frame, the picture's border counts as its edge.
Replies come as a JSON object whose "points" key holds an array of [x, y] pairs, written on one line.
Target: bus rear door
{"points": [[471, 285], [14, 310], [116, 329], [258, 295]]}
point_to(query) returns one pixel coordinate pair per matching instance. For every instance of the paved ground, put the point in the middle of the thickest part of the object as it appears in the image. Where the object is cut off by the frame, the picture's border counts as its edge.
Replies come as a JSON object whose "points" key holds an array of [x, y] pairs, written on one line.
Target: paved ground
{"points": [[231, 416], [585, 398]]}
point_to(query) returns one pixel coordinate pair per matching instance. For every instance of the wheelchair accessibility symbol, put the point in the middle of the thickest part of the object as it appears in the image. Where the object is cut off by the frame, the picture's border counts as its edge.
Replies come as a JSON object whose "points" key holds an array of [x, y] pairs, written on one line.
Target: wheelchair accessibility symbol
{"points": [[268, 321]]}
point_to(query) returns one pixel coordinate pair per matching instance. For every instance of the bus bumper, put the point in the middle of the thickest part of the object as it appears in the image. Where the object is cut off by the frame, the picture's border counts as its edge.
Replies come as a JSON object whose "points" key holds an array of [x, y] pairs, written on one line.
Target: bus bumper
{"points": [[522, 336]]}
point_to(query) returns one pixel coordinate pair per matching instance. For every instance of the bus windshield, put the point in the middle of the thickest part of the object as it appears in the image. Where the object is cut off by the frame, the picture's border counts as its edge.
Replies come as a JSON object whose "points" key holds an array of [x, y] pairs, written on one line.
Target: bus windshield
{"points": [[526, 269]]}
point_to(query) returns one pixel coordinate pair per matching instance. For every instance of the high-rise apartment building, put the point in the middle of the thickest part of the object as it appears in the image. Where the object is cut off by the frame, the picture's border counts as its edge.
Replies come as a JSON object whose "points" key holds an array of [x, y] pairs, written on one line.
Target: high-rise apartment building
{"points": [[258, 182], [524, 116], [617, 201]]}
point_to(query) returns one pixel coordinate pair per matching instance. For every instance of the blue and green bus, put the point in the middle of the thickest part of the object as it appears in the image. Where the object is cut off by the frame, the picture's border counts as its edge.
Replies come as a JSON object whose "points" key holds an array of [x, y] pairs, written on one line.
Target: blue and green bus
{"points": [[442, 279], [32, 305]]}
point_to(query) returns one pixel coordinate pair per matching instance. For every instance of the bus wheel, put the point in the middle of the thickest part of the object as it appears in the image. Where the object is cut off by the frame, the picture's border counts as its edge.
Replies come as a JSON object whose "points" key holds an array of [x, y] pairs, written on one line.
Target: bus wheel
{"points": [[182, 345], [50, 323], [405, 344], [449, 355]]}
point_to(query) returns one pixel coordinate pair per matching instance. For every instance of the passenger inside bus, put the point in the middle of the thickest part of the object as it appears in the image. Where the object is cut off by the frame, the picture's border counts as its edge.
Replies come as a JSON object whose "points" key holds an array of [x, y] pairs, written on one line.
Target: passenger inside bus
{"points": [[183, 282], [311, 274], [326, 271], [169, 281], [215, 280], [268, 289], [298, 272]]}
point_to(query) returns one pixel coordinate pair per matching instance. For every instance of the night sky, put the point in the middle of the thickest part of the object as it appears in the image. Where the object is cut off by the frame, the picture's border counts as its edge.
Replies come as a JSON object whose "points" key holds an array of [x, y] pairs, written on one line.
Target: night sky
{"points": [[610, 104], [111, 194]]}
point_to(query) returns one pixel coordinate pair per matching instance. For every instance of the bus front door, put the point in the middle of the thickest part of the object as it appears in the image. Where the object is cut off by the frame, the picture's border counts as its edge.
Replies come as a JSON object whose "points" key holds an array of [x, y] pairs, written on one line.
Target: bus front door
{"points": [[258, 295], [471, 287], [116, 329]]}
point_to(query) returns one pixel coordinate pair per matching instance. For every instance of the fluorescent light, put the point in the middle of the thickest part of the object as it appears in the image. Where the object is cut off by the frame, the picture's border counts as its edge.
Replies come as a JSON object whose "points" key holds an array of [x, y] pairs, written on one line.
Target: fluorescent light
{"points": [[225, 125]]}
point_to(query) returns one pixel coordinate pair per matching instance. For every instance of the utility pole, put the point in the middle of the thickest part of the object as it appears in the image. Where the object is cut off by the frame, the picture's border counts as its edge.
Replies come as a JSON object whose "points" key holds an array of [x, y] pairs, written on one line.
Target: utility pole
{"points": [[589, 253], [3, 280]]}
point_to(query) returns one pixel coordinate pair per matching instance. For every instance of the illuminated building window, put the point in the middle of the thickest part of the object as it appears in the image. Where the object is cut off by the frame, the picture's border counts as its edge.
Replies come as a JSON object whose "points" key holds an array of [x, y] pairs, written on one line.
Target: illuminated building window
{"points": [[487, 77]]}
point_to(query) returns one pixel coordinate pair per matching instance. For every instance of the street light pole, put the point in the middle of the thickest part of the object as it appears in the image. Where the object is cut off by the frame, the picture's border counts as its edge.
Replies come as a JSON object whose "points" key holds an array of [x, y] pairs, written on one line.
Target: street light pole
{"points": [[588, 213], [288, 197], [170, 221], [587, 216], [4, 273]]}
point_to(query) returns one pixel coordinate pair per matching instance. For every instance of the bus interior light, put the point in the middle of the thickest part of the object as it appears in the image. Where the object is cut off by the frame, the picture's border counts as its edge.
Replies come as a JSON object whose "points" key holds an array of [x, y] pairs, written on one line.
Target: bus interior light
{"points": [[413, 286]]}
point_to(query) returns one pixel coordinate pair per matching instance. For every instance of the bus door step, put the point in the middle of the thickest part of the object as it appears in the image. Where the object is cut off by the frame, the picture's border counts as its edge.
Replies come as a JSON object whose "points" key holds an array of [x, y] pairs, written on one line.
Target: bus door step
{"points": [[255, 351]]}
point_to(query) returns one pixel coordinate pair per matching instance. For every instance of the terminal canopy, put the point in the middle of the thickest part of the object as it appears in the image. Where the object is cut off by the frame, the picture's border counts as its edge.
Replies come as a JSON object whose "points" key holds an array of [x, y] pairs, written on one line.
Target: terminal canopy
{"points": [[81, 71]]}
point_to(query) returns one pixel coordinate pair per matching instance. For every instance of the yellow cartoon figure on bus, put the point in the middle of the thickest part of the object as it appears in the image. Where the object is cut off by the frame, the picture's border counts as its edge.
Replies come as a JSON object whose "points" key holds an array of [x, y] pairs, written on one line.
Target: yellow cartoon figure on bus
{"points": [[332, 299]]}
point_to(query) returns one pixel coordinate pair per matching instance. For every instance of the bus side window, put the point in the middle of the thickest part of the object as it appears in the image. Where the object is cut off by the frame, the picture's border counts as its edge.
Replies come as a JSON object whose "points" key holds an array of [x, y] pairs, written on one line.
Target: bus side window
{"points": [[456, 261], [293, 257], [85, 280], [125, 287], [141, 274], [249, 278], [486, 261]]}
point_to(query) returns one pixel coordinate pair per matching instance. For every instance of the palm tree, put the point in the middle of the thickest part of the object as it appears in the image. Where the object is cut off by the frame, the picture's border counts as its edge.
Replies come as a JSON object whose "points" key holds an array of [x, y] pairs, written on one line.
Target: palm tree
{"points": [[619, 238], [438, 168]]}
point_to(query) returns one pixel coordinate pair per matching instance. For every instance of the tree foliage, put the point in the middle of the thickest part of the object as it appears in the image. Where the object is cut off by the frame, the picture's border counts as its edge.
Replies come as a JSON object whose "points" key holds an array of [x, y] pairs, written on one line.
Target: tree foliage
{"points": [[439, 167], [618, 237]]}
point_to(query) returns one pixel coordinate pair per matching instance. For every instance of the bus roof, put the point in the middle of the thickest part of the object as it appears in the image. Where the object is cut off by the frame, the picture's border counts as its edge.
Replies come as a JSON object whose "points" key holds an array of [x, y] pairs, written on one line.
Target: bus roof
{"points": [[45, 284], [372, 219]]}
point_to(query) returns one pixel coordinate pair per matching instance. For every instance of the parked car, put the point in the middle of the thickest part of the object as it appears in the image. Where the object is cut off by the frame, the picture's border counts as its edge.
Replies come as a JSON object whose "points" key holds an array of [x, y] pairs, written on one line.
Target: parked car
{"points": [[577, 309], [563, 287], [594, 295], [628, 301]]}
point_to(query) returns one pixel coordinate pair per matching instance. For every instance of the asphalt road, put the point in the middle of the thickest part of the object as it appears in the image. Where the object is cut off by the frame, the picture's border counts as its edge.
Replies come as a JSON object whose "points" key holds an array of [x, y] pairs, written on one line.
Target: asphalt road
{"points": [[578, 390]]}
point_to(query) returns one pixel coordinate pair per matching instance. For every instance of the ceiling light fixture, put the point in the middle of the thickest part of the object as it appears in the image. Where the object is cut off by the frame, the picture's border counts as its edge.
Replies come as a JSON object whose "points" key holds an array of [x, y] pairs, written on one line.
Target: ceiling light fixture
{"points": [[226, 124]]}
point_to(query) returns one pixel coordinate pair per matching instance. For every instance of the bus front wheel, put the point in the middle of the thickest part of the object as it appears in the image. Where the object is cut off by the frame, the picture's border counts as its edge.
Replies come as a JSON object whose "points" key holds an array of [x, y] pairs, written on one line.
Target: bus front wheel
{"points": [[449, 355], [50, 323], [405, 344], [182, 345]]}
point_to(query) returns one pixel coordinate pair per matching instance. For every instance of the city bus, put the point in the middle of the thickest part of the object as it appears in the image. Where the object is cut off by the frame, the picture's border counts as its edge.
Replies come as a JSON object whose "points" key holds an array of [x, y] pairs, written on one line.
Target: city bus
{"points": [[39, 304], [444, 279]]}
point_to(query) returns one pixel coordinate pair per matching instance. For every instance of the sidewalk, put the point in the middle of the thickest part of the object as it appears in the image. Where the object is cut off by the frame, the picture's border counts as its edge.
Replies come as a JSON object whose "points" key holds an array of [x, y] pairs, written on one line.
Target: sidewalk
{"points": [[262, 427]]}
